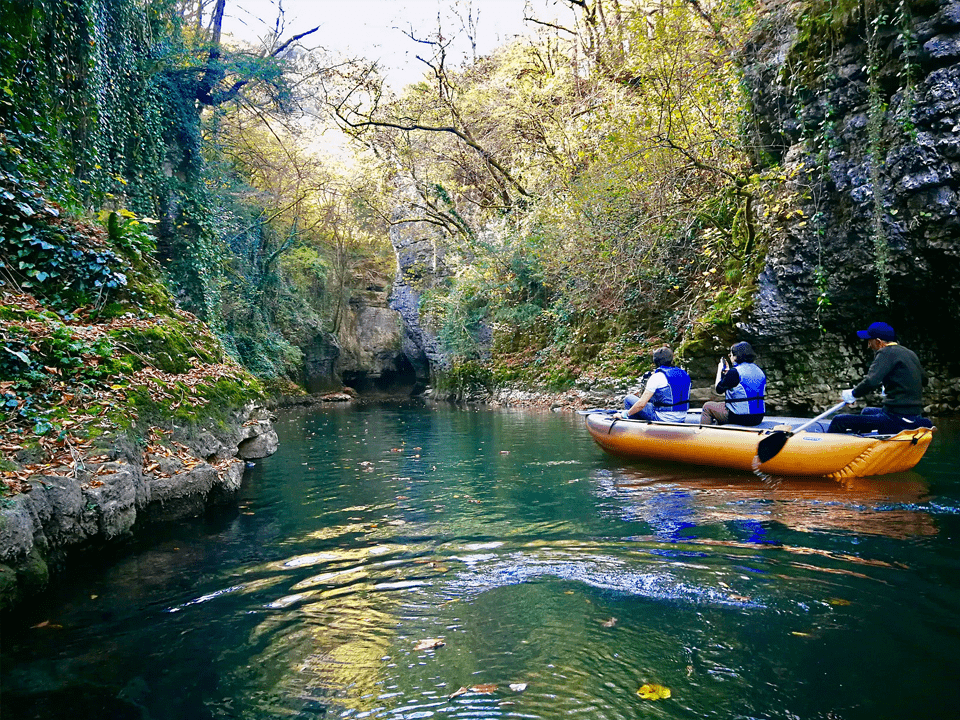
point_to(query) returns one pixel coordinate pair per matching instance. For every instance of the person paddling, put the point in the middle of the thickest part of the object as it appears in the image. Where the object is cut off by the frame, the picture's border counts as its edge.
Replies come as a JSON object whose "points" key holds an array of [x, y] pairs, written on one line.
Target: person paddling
{"points": [[897, 370], [666, 396]]}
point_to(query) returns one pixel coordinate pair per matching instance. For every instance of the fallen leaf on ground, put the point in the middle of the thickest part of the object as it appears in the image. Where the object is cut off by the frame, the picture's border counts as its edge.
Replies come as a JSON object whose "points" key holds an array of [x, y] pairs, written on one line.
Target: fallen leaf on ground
{"points": [[653, 691]]}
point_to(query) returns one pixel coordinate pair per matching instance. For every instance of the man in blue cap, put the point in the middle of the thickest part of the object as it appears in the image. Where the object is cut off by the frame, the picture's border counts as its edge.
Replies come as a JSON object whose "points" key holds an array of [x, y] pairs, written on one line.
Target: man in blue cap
{"points": [[897, 370]]}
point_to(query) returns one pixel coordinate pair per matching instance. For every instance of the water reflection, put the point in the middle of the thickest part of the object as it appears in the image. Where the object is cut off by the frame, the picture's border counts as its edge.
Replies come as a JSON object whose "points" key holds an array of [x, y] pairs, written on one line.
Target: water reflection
{"points": [[673, 500]]}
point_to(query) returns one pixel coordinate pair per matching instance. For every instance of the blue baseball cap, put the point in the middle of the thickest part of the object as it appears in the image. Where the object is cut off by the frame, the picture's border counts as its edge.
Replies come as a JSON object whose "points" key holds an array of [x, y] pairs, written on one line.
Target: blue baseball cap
{"points": [[878, 330]]}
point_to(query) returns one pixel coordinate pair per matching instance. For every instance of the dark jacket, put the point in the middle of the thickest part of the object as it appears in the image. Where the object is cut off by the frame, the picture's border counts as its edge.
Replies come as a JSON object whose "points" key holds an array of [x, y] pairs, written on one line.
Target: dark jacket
{"points": [[898, 370]]}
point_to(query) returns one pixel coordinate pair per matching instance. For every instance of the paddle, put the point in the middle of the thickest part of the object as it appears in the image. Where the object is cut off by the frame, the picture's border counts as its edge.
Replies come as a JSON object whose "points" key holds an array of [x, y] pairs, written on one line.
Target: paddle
{"points": [[774, 442]]}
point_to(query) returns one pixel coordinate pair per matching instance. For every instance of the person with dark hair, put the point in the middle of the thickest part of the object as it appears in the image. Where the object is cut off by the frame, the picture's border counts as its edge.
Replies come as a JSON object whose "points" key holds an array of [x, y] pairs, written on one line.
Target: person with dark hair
{"points": [[895, 369], [666, 395], [743, 386]]}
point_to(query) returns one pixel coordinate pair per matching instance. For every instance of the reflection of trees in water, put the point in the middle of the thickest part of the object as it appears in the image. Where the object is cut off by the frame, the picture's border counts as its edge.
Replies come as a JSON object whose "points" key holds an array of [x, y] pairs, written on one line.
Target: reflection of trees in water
{"points": [[326, 649], [676, 499]]}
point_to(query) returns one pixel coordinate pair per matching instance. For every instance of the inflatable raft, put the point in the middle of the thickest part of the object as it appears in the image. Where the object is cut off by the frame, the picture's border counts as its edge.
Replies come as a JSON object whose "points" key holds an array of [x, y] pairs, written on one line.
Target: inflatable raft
{"points": [[812, 452]]}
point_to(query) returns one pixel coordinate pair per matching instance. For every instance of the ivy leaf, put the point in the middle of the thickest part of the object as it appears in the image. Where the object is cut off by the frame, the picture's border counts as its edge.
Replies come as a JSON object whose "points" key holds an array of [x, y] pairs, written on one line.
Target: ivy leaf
{"points": [[25, 209]]}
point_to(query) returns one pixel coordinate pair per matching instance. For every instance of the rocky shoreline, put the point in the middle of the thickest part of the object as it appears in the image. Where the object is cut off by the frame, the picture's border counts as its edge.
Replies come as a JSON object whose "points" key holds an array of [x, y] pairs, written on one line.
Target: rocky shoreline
{"points": [[100, 499]]}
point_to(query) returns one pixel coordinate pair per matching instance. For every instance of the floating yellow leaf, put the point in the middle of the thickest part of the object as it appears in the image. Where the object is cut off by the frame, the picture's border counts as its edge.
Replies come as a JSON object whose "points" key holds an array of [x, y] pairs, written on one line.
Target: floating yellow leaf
{"points": [[838, 601], [652, 691]]}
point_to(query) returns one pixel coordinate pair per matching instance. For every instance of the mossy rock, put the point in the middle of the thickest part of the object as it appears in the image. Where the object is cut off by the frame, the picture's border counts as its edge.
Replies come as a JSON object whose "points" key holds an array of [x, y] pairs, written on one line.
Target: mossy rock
{"points": [[222, 398], [33, 574], [9, 587]]}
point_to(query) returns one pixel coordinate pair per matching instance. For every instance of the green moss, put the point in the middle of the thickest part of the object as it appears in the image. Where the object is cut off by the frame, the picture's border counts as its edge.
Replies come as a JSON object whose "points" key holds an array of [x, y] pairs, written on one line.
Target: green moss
{"points": [[821, 26], [9, 588], [220, 399], [281, 386], [7, 465], [33, 574], [169, 346], [12, 313]]}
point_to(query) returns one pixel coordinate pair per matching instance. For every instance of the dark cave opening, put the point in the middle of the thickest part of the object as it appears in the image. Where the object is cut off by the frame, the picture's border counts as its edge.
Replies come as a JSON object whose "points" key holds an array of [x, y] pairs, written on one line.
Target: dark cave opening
{"points": [[400, 381]]}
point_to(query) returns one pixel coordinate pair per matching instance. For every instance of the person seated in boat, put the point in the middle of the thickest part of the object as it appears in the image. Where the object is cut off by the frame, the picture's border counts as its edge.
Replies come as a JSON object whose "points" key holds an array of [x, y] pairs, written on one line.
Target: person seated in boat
{"points": [[666, 395], [895, 369], [743, 386]]}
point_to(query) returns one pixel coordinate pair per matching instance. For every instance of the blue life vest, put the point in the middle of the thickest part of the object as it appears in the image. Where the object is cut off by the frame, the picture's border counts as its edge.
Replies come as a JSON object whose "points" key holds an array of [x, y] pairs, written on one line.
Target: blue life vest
{"points": [[747, 397], [676, 396]]}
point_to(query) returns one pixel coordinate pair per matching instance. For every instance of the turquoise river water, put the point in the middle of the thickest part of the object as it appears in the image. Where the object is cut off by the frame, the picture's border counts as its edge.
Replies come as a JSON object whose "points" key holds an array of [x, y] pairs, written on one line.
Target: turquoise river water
{"points": [[559, 581]]}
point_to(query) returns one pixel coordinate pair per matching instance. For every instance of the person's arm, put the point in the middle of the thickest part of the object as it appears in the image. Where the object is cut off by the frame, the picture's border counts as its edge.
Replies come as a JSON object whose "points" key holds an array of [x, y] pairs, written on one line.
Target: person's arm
{"points": [[721, 369], [730, 379], [641, 403], [654, 383], [879, 368]]}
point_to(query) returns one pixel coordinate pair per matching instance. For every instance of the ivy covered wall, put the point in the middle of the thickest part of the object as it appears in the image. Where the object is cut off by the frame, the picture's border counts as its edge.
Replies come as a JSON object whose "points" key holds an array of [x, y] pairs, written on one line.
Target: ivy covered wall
{"points": [[98, 106]]}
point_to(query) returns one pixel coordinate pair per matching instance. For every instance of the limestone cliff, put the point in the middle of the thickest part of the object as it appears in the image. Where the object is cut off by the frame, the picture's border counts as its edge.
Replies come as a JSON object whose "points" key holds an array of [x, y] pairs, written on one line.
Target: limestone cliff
{"points": [[420, 263], [862, 109]]}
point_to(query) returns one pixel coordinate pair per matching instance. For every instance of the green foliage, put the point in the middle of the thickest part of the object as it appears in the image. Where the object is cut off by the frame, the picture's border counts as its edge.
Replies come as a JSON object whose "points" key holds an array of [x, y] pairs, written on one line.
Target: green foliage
{"points": [[43, 251], [464, 378], [821, 28], [623, 202], [39, 364]]}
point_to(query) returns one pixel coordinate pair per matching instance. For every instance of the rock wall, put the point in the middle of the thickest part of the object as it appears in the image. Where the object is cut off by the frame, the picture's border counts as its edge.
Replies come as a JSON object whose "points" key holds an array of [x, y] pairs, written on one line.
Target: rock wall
{"points": [[420, 264], [372, 343], [106, 501], [869, 140]]}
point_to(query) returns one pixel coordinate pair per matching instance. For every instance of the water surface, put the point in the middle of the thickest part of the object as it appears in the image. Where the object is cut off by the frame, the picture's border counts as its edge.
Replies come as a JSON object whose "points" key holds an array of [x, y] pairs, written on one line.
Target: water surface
{"points": [[539, 562]]}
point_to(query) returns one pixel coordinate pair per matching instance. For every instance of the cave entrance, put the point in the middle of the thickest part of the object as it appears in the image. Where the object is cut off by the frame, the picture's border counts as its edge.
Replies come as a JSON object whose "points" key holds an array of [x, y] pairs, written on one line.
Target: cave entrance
{"points": [[400, 381]]}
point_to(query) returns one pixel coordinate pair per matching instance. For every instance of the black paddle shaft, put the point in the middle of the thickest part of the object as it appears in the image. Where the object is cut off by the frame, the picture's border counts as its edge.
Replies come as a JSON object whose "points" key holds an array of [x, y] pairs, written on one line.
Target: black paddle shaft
{"points": [[774, 442]]}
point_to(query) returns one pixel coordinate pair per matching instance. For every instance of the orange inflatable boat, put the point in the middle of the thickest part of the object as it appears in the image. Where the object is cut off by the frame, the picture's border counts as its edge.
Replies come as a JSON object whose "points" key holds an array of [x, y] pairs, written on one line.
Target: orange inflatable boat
{"points": [[806, 453]]}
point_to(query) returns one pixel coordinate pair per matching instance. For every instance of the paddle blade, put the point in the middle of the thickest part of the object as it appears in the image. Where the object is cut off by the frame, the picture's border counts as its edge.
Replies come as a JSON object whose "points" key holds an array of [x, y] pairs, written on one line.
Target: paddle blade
{"points": [[771, 445]]}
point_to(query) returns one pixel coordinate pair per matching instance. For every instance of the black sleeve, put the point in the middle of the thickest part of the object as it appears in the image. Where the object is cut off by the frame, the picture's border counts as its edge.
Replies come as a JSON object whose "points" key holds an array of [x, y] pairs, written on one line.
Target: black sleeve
{"points": [[881, 365], [730, 379]]}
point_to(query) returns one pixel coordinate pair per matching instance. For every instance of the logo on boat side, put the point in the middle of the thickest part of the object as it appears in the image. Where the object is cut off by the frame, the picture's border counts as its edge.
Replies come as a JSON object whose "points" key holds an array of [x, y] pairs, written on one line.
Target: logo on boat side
{"points": [[812, 439]]}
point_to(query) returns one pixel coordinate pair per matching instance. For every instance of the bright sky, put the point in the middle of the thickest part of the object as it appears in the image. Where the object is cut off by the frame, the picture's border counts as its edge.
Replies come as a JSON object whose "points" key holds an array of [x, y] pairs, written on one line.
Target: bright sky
{"points": [[375, 28]]}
